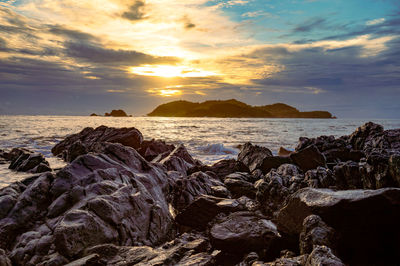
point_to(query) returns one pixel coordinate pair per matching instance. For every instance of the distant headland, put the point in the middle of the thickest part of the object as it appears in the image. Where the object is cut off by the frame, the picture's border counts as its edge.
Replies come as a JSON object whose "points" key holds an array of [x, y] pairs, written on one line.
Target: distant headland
{"points": [[233, 108], [115, 113]]}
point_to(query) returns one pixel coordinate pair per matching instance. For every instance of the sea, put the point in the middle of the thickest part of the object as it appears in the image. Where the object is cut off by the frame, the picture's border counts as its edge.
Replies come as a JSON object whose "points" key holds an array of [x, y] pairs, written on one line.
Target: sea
{"points": [[207, 139]]}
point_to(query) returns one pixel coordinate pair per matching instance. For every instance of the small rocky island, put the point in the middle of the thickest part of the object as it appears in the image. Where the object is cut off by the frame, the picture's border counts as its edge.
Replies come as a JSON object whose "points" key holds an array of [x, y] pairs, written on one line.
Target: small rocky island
{"points": [[233, 108], [115, 113], [123, 200]]}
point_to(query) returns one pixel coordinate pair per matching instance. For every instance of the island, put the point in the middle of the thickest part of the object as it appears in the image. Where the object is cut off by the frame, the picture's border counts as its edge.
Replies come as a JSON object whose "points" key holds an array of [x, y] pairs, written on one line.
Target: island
{"points": [[233, 108], [115, 113]]}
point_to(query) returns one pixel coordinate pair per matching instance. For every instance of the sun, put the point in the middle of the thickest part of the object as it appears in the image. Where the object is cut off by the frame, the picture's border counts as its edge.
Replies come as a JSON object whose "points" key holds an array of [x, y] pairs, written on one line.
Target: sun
{"points": [[168, 71]]}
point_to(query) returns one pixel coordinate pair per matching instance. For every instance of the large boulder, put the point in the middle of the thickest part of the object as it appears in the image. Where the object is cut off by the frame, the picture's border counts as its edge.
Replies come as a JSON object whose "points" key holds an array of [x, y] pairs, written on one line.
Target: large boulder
{"points": [[253, 156], [273, 162], [83, 142], [110, 196], [365, 220], [240, 184], [150, 149], [221, 168], [178, 160], [308, 158], [244, 231]]}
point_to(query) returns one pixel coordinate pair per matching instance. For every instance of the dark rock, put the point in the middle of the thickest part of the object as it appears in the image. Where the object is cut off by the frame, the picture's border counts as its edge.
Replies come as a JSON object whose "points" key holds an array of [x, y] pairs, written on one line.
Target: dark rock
{"points": [[253, 156], [243, 231], [274, 162], [117, 113], [4, 260], [187, 188], [348, 175], [26, 161], [93, 114], [319, 178], [365, 220], [363, 135], [308, 158], [90, 260], [205, 208], [240, 184], [394, 167], [322, 255], [150, 149], [221, 168], [284, 152], [315, 232], [84, 141], [179, 160]]}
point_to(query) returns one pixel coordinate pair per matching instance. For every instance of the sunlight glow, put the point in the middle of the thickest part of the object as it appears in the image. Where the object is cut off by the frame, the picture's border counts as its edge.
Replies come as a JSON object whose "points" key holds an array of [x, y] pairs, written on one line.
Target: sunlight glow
{"points": [[167, 71]]}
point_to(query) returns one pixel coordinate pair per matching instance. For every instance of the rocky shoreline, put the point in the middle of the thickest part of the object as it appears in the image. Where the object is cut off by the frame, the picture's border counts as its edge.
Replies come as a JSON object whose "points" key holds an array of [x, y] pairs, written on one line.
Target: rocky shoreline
{"points": [[123, 200]]}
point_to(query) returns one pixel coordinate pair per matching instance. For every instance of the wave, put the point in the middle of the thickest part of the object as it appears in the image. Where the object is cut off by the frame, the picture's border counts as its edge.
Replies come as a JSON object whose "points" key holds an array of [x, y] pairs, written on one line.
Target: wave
{"points": [[217, 149]]}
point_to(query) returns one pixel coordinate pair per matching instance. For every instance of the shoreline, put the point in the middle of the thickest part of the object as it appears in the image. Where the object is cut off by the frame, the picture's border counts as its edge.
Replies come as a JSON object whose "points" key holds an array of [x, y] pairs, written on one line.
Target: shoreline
{"points": [[121, 198]]}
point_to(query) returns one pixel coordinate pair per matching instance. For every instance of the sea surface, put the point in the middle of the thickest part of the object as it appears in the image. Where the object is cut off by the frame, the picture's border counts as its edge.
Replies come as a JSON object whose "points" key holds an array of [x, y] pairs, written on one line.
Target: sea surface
{"points": [[207, 139]]}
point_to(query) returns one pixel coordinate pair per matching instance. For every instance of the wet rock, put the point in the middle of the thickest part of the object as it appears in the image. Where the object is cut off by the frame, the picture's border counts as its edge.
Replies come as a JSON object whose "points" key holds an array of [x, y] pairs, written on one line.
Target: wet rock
{"points": [[365, 220], [253, 156], [273, 162], [187, 188], [68, 149], [179, 160], [348, 175], [320, 178], [205, 208], [322, 255], [240, 184], [308, 158], [221, 168], [151, 149], [26, 161], [316, 232], [243, 231]]}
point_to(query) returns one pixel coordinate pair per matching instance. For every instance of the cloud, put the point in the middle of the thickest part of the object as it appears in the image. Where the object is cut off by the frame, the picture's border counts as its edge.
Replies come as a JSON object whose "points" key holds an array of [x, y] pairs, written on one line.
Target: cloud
{"points": [[311, 25], [375, 21], [135, 12]]}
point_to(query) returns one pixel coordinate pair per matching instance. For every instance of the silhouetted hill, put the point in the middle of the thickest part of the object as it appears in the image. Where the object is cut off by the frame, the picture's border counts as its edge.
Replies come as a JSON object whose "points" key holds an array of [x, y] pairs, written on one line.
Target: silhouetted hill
{"points": [[117, 113], [233, 108]]}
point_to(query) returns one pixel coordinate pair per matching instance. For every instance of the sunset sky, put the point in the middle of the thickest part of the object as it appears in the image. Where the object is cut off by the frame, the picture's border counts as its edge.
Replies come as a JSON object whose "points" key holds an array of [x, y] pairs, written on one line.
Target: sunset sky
{"points": [[81, 56]]}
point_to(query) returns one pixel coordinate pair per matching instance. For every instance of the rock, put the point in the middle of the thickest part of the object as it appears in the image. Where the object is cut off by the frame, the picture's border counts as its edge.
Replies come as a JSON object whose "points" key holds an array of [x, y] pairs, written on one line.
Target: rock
{"points": [[89, 260], [308, 158], [4, 260], [68, 149], [151, 149], [322, 255], [93, 114], [221, 168], [315, 232], [239, 184], [274, 162], [365, 220], [320, 178], [394, 167], [111, 196], [242, 232], [253, 156], [343, 155], [187, 188], [26, 161], [288, 259], [117, 113], [205, 208], [284, 152], [363, 135], [348, 175], [179, 160]]}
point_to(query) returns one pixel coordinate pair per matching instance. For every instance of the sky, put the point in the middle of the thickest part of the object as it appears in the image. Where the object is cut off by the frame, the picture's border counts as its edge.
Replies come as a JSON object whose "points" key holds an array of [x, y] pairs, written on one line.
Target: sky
{"points": [[70, 57]]}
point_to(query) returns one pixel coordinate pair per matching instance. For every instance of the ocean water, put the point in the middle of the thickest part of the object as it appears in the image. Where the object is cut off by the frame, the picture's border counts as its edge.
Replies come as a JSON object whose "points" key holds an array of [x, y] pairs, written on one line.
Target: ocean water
{"points": [[207, 139]]}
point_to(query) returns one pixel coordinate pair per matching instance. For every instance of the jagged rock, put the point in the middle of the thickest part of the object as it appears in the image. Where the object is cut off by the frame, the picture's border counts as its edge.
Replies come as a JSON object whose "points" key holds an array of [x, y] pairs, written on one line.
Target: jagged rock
{"points": [[394, 167], [112, 196], [93, 259], [68, 149], [253, 156], [187, 188], [319, 178], [240, 184], [348, 175], [188, 249], [363, 135], [221, 168], [286, 259], [4, 260], [277, 185], [343, 155], [243, 231], [24, 160], [315, 232], [324, 143], [308, 158], [204, 208], [273, 162], [365, 220], [322, 255], [179, 160], [150, 149]]}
